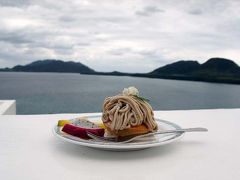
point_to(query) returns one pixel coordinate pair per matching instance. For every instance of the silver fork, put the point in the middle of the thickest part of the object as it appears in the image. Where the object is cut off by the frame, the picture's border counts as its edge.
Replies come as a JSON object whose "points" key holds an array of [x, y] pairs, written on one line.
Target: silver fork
{"points": [[119, 140]]}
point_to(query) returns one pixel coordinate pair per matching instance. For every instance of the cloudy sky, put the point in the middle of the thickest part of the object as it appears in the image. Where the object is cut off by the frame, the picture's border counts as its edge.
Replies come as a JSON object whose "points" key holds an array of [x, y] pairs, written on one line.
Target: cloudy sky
{"points": [[129, 36]]}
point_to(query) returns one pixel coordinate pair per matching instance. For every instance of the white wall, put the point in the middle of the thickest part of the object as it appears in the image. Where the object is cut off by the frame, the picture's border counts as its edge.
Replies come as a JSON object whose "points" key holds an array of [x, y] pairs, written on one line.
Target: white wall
{"points": [[7, 107]]}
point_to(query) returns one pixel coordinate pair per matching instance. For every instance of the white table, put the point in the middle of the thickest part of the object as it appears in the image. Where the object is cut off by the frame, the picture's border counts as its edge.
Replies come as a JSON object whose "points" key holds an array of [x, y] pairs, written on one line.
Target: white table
{"points": [[29, 151]]}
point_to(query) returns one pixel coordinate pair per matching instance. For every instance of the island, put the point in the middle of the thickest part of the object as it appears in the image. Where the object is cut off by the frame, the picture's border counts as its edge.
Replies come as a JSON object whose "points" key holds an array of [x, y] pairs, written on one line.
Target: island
{"points": [[219, 70]]}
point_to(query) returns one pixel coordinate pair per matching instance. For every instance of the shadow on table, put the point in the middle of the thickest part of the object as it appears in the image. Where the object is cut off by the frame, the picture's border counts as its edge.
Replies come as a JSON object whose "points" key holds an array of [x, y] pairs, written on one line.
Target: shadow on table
{"points": [[80, 152]]}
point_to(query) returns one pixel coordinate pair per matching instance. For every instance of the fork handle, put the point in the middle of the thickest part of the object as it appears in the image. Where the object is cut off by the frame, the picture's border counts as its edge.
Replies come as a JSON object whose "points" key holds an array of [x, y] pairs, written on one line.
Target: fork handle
{"points": [[197, 129]]}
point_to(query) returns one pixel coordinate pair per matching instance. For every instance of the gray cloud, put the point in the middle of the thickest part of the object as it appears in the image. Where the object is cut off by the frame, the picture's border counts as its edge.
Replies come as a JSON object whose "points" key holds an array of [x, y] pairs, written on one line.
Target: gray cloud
{"points": [[14, 3], [14, 38], [120, 51], [195, 11], [148, 10], [67, 18], [106, 35]]}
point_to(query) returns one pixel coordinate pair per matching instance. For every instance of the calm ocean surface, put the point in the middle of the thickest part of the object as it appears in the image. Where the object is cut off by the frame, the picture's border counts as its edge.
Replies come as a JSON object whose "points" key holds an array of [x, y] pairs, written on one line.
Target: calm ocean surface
{"points": [[38, 93]]}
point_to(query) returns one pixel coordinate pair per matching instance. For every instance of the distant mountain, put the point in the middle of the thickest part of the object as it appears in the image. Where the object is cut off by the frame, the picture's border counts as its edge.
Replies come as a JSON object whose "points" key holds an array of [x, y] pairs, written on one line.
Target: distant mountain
{"points": [[219, 67], [51, 65], [177, 68], [218, 70], [213, 70]]}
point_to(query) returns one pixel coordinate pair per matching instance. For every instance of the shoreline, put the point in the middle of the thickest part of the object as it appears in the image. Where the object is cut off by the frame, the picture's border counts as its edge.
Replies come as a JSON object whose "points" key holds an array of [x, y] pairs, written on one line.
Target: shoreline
{"points": [[178, 78]]}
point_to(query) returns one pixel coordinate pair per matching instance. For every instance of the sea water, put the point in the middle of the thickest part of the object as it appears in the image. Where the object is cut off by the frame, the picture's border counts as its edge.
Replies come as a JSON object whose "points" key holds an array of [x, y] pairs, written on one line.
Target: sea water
{"points": [[38, 93]]}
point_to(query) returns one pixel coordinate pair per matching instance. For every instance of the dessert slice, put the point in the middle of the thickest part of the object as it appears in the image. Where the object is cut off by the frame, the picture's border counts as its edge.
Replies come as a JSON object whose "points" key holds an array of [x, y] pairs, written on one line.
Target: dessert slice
{"points": [[128, 114]]}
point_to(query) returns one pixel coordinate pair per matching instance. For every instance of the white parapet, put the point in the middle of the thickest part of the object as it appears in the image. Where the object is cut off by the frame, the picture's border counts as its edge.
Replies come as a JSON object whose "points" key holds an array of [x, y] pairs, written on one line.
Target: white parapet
{"points": [[7, 107]]}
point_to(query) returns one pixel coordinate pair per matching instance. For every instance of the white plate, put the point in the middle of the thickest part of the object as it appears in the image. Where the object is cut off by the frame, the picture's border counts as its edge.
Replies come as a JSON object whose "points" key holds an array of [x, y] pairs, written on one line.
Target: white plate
{"points": [[153, 141]]}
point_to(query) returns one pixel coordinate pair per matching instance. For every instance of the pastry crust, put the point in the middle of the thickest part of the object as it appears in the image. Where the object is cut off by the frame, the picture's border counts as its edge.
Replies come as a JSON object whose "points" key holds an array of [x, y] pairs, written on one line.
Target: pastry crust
{"points": [[132, 131]]}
